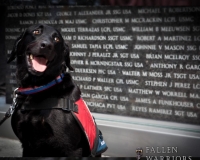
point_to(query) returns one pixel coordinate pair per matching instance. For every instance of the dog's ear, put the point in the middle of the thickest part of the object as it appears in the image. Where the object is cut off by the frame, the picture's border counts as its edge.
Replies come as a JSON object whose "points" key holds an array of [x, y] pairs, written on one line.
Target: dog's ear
{"points": [[16, 48], [67, 57]]}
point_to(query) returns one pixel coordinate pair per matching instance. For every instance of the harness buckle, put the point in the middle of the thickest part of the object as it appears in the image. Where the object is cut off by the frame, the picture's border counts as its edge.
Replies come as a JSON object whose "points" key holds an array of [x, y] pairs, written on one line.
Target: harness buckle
{"points": [[69, 105]]}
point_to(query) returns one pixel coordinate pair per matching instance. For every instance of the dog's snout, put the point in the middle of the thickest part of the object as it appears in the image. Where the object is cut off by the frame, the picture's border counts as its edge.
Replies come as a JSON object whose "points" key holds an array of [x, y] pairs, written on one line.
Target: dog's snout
{"points": [[43, 45], [46, 45]]}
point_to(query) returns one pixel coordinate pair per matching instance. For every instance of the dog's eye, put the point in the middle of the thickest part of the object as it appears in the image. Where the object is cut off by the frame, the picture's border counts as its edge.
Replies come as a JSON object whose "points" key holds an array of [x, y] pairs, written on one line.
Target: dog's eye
{"points": [[56, 39], [36, 32]]}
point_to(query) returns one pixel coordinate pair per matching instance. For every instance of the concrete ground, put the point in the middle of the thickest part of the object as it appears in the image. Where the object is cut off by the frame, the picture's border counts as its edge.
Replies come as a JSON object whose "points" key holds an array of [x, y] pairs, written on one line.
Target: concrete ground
{"points": [[10, 148]]}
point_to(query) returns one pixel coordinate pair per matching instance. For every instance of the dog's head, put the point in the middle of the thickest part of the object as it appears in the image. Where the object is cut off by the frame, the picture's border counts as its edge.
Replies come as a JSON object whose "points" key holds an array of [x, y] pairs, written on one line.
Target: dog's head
{"points": [[41, 52]]}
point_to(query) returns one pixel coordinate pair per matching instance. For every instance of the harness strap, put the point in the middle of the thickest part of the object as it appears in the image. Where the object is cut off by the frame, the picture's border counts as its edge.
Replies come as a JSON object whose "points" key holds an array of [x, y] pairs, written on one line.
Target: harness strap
{"points": [[52, 103]]}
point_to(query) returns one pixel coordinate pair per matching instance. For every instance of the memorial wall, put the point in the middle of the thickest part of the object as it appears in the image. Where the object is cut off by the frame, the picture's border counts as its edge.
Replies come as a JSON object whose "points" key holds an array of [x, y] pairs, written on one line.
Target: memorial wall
{"points": [[132, 61]]}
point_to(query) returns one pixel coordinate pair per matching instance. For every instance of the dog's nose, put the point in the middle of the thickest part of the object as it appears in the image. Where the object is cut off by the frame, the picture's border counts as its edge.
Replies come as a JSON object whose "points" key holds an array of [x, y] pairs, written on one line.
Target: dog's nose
{"points": [[46, 45]]}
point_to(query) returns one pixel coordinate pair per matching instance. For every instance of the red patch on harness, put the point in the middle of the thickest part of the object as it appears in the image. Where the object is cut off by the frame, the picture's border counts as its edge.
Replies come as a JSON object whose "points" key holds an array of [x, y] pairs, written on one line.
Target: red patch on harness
{"points": [[87, 121]]}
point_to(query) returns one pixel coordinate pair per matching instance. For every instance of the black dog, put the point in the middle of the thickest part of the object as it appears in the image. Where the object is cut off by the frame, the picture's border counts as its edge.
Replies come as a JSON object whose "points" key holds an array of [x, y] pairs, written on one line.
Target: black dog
{"points": [[42, 56]]}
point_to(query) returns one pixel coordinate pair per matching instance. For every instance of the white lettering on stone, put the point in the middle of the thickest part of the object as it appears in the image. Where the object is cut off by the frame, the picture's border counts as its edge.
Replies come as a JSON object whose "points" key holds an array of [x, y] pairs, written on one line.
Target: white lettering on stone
{"points": [[85, 70], [177, 38], [143, 100], [85, 79], [142, 29], [107, 20], [176, 57], [163, 65], [176, 103], [174, 47], [78, 54], [99, 96], [96, 104], [106, 63], [144, 47], [160, 111], [156, 83], [174, 94], [81, 46], [140, 91], [175, 29], [139, 109], [68, 29], [153, 56], [145, 38], [91, 87], [105, 80], [148, 10]]}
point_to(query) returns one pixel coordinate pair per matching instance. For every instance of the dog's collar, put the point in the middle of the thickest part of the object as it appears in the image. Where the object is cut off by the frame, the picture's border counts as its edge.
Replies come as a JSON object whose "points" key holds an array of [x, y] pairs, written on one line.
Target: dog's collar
{"points": [[29, 91]]}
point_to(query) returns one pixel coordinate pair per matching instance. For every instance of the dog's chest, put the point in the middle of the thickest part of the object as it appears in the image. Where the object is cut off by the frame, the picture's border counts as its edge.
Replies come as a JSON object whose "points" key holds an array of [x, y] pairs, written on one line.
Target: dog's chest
{"points": [[44, 126]]}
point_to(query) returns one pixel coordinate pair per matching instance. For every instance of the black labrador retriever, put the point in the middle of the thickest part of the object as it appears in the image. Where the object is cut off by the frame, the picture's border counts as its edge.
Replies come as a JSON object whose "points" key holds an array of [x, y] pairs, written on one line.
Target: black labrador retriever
{"points": [[42, 55]]}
